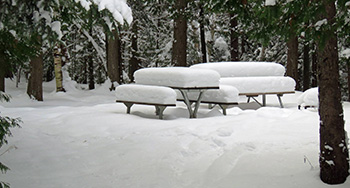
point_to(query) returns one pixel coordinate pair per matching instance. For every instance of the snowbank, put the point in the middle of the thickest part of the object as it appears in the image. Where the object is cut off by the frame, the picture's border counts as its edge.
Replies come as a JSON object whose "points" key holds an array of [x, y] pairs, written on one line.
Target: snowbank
{"points": [[309, 98], [264, 84], [243, 69], [177, 77]]}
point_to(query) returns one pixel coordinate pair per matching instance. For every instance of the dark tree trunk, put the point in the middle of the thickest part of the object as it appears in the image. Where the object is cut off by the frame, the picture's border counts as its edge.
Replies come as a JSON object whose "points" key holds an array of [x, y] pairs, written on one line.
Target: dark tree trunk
{"points": [[113, 58], [35, 82], [134, 61], [2, 82], [2, 72], [234, 50], [314, 65], [202, 35], [179, 54], [334, 154], [306, 70], [91, 72], [348, 66], [292, 59]]}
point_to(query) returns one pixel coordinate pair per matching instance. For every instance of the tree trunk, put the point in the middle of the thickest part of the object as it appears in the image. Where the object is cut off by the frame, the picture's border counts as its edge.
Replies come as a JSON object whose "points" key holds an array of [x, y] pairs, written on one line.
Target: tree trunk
{"points": [[58, 69], [306, 70], [292, 59], [202, 34], [334, 155], [35, 82], [113, 58], [314, 65], [91, 72], [134, 61], [234, 50], [2, 82], [348, 66], [179, 54]]}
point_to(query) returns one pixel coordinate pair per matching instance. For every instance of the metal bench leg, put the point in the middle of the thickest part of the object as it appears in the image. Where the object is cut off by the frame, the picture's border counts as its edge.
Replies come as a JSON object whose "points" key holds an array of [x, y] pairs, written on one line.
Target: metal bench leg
{"points": [[280, 100], [198, 103], [128, 106], [223, 107], [159, 111], [187, 102], [263, 100]]}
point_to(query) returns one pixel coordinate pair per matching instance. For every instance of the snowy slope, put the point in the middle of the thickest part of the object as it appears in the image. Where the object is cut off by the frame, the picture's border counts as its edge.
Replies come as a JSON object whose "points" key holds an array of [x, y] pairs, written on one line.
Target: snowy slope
{"points": [[85, 139]]}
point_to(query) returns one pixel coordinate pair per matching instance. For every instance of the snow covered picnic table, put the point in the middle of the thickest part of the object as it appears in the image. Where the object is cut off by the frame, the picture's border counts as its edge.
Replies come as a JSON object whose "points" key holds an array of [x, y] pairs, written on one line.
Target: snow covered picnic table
{"points": [[253, 78], [184, 79]]}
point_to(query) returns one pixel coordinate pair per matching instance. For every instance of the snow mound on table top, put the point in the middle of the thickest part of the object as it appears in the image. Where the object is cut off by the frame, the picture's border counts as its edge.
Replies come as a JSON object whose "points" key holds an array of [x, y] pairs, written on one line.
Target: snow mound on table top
{"points": [[265, 84], [309, 97], [243, 69], [177, 77], [146, 94], [226, 94]]}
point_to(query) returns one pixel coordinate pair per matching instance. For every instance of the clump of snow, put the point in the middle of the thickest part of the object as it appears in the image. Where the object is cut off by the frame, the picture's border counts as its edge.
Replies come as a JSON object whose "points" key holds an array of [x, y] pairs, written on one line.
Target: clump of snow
{"points": [[345, 53], [309, 98], [226, 94], [265, 84], [145, 94], [319, 23], [270, 2], [243, 69], [119, 9], [177, 77], [56, 27]]}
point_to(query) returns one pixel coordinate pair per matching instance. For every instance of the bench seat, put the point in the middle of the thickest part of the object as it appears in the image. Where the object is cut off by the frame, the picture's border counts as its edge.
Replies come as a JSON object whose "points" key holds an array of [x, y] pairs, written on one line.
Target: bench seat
{"points": [[158, 96]]}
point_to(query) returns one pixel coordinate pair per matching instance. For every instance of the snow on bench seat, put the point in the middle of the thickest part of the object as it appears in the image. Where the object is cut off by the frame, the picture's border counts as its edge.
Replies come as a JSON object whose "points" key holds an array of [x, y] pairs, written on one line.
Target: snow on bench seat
{"points": [[243, 69], [224, 96], [177, 77], [309, 98], [159, 96], [260, 85]]}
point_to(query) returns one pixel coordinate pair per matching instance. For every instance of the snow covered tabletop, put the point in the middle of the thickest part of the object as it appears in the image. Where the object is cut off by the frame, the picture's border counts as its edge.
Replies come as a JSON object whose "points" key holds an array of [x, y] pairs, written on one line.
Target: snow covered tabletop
{"points": [[226, 94], [260, 85], [309, 98], [243, 69], [177, 77], [145, 94]]}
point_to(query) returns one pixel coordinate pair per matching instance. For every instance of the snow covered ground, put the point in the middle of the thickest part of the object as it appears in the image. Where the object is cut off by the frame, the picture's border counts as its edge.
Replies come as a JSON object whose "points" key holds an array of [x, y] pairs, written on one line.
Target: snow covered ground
{"points": [[84, 139]]}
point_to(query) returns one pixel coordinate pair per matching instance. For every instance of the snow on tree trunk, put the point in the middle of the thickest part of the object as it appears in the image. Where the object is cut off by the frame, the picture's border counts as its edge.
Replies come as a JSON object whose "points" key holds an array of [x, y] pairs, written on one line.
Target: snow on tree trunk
{"points": [[35, 86], [334, 154], [292, 59], [58, 69], [314, 65], [179, 53]]}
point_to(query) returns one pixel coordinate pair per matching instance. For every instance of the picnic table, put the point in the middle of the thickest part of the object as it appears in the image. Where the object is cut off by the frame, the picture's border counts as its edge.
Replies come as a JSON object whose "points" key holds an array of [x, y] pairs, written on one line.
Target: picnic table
{"points": [[184, 79]]}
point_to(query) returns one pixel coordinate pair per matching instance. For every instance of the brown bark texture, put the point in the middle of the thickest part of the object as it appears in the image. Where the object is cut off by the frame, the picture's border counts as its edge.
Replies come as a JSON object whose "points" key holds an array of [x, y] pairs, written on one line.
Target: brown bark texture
{"points": [[202, 35], [306, 70], [292, 59], [234, 50], [179, 53], [114, 57], [334, 155], [35, 86]]}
